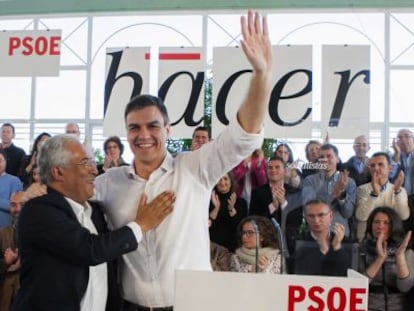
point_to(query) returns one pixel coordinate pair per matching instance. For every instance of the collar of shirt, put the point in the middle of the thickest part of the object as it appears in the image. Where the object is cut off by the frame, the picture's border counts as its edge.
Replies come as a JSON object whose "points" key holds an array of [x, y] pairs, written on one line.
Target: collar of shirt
{"points": [[166, 165], [83, 213]]}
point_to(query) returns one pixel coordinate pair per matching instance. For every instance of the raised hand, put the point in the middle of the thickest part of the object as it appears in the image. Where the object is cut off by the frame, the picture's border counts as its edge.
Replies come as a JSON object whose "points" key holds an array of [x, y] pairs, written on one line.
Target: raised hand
{"points": [[150, 215], [232, 202], [375, 183], [382, 246], [256, 44], [339, 230], [340, 185], [399, 181], [403, 247]]}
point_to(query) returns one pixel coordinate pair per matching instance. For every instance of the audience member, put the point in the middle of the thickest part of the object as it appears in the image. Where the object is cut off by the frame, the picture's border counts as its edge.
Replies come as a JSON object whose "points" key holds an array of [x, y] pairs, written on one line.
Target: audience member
{"points": [[292, 173], [332, 186], [219, 256], [380, 192], [387, 262], [357, 164], [8, 185], [250, 174], [14, 154], [256, 233], [29, 162], [279, 200], [62, 252], [72, 128], [10, 262], [226, 211], [312, 150], [113, 148], [201, 136], [324, 253], [403, 147], [182, 241]]}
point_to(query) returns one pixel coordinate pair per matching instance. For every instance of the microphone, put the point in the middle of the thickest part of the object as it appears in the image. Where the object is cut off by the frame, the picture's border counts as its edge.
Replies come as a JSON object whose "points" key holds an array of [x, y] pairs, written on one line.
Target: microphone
{"points": [[282, 242], [256, 230]]}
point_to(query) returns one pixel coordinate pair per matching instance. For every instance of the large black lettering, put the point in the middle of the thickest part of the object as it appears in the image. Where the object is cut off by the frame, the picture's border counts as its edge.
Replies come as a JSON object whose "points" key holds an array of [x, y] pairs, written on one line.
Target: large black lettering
{"points": [[196, 87], [343, 89], [276, 96], [112, 78], [223, 94]]}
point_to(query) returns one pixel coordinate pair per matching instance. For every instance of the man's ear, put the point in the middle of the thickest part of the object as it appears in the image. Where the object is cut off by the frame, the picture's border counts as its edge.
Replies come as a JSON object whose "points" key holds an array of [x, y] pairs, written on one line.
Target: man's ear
{"points": [[168, 130], [57, 172]]}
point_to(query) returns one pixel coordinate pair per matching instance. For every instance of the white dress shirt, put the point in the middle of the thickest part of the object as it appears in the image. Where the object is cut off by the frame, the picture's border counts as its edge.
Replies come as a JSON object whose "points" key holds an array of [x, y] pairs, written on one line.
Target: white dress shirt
{"points": [[181, 241], [96, 293]]}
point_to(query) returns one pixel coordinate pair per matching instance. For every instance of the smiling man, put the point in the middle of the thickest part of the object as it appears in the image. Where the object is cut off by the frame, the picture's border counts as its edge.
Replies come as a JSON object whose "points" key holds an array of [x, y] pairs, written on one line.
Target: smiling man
{"points": [[333, 186], [62, 247], [182, 240]]}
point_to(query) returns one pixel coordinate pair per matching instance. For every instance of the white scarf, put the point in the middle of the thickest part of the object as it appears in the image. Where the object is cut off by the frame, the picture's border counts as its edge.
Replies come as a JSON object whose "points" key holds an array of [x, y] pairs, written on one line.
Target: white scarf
{"points": [[248, 255]]}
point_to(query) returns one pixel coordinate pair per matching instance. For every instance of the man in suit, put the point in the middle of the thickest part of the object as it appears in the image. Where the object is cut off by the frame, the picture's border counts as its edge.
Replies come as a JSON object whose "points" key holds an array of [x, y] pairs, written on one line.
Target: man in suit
{"points": [[63, 258], [279, 200], [357, 164]]}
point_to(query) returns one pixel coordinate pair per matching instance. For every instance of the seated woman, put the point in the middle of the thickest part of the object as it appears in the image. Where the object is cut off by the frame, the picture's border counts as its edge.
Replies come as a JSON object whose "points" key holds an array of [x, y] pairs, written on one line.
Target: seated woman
{"points": [[269, 257], [226, 211], [386, 260], [113, 149]]}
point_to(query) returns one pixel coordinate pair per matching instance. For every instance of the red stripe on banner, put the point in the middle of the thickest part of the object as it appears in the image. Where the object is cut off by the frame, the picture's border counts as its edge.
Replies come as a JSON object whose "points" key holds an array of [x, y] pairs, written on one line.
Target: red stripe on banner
{"points": [[176, 56]]}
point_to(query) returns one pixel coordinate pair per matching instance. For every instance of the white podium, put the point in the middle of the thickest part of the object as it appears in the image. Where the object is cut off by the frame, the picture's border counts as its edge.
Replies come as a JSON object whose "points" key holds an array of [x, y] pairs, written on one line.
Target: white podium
{"points": [[232, 291]]}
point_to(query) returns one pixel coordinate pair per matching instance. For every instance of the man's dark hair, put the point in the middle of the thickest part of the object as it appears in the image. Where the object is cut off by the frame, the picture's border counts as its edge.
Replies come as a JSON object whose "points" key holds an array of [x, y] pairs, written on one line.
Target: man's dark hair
{"points": [[276, 158], [382, 154], [314, 202], [142, 101], [330, 147], [10, 125], [204, 129]]}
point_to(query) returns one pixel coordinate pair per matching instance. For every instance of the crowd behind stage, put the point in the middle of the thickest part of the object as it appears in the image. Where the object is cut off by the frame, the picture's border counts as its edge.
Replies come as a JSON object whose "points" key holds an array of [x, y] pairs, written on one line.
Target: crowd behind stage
{"points": [[271, 215]]}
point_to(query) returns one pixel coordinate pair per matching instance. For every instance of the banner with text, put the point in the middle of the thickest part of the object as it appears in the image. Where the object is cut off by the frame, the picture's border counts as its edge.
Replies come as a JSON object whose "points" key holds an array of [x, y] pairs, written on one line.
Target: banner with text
{"points": [[127, 75], [26, 53], [290, 106], [269, 292], [345, 88], [181, 81]]}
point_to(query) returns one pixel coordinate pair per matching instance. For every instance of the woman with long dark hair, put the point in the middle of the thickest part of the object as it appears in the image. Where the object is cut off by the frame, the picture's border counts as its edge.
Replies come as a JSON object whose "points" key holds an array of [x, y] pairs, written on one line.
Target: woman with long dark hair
{"points": [[29, 161], [226, 211], [386, 261]]}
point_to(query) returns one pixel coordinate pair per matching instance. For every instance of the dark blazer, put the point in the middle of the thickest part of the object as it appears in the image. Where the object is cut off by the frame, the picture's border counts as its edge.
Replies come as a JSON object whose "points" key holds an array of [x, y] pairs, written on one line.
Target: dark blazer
{"points": [[291, 218], [56, 252]]}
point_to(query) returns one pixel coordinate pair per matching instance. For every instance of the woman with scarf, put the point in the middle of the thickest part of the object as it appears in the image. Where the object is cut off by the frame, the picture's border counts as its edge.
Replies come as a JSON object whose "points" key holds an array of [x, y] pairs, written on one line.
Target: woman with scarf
{"points": [[386, 261], [258, 247]]}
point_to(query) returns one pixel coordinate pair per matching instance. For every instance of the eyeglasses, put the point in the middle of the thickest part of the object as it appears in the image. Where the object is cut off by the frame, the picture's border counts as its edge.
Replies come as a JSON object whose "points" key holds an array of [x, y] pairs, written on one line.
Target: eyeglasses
{"points": [[318, 215], [87, 163], [248, 233]]}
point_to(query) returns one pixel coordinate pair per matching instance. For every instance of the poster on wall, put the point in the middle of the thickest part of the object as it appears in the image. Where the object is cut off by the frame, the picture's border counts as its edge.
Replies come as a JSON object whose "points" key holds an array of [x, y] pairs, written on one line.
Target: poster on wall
{"points": [[30, 53], [181, 75], [345, 90], [127, 75], [289, 111]]}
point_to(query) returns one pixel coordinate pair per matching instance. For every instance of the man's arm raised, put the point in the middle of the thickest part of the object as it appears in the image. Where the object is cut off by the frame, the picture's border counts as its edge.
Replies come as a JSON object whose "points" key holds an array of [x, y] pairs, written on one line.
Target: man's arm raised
{"points": [[258, 50]]}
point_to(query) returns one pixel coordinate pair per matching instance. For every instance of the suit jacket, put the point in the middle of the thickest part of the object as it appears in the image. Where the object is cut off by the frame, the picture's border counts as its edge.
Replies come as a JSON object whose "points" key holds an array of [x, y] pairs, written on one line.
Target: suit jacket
{"points": [[56, 252], [291, 217]]}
